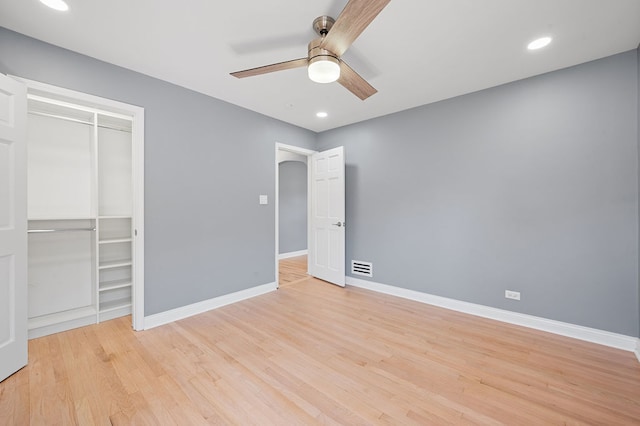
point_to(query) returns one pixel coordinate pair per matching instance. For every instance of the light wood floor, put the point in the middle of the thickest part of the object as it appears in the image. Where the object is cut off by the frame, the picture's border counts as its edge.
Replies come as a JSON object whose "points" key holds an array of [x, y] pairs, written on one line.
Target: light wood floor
{"points": [[314, 353], [292, 270]]}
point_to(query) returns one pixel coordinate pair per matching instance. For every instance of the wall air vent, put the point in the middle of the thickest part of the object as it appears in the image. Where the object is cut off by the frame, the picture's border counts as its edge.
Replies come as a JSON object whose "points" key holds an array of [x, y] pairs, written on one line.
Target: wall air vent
{"points": [[359, 267]]}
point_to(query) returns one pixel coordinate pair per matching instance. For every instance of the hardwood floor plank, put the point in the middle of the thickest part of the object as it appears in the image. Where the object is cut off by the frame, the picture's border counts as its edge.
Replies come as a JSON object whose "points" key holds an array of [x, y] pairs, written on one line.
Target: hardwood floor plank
{"points": [[14, 399], [292, 270]]}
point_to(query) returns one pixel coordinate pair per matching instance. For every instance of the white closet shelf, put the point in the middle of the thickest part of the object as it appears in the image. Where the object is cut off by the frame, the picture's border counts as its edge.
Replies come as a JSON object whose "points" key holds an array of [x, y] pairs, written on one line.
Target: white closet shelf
{"points": [[115, 313], [113, 305], [115, 240], [115, 264], [63, 218], [114, 285], [115, 217]]}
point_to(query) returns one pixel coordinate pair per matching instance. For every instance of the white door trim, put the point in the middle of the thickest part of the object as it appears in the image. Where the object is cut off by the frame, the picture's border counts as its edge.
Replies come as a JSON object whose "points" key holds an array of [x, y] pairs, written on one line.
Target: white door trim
{"points": [[294, 150], [137, 135]]}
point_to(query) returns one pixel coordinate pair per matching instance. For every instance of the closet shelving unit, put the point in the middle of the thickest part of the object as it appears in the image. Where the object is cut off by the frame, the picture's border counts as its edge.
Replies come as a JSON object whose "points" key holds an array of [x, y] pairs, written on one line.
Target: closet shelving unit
{"points": [[115, 228], [115, 267], [80, 208]]}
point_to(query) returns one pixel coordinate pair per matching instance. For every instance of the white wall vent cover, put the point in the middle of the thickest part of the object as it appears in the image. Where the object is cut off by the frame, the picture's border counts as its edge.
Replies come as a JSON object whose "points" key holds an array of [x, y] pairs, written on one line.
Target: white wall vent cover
{"points": [[359, 267]]}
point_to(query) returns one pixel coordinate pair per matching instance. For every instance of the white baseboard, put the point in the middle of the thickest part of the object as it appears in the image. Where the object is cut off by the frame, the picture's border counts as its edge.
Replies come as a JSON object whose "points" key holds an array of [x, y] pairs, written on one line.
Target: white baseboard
{"points": [[61, 321], [292, 254], [593, 335], [176, 314], [46, 330]]}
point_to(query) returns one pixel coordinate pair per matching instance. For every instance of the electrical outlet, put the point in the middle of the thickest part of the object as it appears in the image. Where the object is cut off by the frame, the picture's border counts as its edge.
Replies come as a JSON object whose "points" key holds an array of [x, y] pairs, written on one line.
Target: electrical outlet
{"points": [[510, 294]]}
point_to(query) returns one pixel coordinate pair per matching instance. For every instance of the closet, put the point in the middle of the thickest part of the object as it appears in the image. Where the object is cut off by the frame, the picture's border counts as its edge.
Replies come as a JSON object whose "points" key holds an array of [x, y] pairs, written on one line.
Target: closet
{"points": [[81, 215]]}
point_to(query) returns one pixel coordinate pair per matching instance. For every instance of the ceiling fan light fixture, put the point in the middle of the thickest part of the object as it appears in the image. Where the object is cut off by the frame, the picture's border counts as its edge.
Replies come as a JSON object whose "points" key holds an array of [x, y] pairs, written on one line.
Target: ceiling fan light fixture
{"points": [[324, 69]]}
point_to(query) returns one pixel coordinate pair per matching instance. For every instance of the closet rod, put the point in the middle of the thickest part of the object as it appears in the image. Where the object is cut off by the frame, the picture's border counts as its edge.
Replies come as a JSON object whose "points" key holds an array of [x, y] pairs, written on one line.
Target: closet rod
{"points": [[77, 120], [39, 231]]}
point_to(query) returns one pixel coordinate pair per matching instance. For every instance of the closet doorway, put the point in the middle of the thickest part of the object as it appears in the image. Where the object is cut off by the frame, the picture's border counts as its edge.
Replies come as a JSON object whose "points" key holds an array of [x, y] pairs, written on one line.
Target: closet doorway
{"points": [[85, 209]]}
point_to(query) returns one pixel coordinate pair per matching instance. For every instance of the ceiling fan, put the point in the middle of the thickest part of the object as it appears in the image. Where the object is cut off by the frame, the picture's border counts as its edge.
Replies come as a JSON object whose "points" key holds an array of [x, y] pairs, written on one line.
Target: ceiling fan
{"points": [[323, 61]]}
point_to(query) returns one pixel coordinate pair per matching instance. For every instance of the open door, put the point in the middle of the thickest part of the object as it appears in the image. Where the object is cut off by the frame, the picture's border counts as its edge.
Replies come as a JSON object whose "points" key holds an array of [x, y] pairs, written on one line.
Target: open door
{"points": [[13, 226], [327, 226]]}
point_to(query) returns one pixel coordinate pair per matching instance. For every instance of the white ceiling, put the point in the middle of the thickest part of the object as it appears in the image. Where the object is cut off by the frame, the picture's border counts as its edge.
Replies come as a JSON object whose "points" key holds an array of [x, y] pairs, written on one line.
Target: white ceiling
{"points": [[415, 52]]}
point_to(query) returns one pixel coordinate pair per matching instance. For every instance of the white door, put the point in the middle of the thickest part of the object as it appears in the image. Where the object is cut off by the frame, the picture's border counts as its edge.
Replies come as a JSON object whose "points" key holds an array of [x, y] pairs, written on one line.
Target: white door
{"points": [[326, 231], [13, 226]]}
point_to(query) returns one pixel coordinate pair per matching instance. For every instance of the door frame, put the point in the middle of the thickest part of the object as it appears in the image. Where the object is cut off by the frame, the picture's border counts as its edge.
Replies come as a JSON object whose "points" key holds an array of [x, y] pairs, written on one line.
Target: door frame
{"points": [[280, 147], [137, 138]]}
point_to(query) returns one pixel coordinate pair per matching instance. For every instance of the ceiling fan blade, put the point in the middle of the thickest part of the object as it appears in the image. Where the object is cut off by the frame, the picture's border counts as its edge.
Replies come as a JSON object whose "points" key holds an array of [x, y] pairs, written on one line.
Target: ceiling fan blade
{"points": [[280, 66], [352, 81], [354, 18]]}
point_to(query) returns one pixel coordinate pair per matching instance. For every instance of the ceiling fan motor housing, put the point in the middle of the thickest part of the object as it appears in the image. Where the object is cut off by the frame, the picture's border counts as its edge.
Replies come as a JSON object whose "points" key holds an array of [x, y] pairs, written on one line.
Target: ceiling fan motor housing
{"points": [[321, 25], [324, 65], [318, 53]]}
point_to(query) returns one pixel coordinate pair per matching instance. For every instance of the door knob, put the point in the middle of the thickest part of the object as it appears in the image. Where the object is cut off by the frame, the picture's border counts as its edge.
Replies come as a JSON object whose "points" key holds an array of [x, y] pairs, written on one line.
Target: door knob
{"points": [[339, 224]]}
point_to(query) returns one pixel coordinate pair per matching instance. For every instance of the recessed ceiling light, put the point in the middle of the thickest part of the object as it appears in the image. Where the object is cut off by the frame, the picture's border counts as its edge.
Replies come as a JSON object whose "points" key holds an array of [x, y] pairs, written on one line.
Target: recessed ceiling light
{"points": [[321, 114], [539, 43], [60, 5]]}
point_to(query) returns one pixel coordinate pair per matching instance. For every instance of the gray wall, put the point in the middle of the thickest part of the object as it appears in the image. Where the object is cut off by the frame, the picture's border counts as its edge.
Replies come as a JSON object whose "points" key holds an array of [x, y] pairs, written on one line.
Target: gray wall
{"points": [[531, 186], [293, 206], [206, 234]]}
